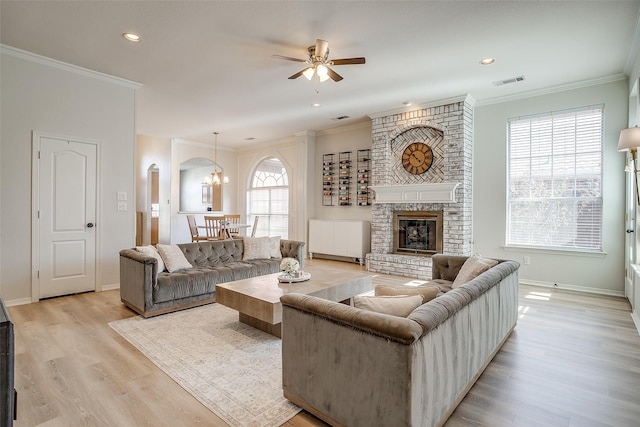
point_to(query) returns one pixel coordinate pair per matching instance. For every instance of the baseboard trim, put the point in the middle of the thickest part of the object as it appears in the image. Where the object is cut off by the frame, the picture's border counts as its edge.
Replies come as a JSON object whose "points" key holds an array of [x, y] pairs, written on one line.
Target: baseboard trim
{"points": [[20, 301], [566, 287], [110, 287], [636, 319]]}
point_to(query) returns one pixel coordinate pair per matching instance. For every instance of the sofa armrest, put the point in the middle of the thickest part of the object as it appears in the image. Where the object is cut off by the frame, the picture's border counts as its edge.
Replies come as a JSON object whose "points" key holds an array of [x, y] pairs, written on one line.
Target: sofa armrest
{"points": [[138, 276], [293, 249], [398, 329]]}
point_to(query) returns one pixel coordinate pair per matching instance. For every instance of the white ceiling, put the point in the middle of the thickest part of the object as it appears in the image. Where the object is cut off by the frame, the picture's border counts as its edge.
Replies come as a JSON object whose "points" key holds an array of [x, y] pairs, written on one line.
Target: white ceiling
{"points": [[206, 65]]}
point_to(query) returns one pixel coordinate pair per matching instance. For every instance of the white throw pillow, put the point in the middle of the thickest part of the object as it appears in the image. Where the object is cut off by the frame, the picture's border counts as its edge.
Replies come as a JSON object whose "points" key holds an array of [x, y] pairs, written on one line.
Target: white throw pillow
{"points": [[256, 248], [152, 251], [173, 257], [274, 247], [400, 306], [472, 267]]}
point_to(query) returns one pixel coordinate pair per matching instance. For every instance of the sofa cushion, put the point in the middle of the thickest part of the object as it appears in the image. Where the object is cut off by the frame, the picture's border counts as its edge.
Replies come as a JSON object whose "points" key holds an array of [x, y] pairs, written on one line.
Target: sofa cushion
{"points": [[274, 247], [427, 292], [400, 306], [152, 251], [256, 248], [173, 257], [472, 267]]}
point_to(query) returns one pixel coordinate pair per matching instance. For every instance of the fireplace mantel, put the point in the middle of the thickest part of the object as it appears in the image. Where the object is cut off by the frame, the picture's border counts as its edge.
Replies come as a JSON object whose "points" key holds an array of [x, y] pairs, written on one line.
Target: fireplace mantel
{"points": [[444, 192]]}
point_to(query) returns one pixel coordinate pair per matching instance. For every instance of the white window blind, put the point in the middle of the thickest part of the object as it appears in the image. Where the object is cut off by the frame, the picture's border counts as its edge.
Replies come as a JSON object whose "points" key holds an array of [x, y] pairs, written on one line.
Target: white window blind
{"points": [[268, 198], [554, 187]]}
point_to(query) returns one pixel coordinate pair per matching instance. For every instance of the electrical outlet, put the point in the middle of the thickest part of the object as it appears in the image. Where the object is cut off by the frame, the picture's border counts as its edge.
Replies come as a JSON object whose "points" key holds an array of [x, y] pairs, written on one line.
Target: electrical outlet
{"points": [[526, 260], [122, 206]]}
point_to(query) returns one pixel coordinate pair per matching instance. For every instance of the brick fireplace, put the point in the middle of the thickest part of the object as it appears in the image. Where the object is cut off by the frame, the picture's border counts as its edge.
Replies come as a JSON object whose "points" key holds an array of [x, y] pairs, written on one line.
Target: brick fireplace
{"points": [[445, 188]]}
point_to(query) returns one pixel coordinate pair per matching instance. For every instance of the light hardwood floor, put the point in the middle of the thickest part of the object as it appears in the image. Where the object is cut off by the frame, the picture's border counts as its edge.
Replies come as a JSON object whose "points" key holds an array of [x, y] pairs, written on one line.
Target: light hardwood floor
{"points": [[573, 360]]}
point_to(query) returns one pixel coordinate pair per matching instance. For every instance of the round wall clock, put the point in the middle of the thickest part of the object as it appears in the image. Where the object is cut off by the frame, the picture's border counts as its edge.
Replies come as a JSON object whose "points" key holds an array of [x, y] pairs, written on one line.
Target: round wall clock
{"points": [[417, 158]]}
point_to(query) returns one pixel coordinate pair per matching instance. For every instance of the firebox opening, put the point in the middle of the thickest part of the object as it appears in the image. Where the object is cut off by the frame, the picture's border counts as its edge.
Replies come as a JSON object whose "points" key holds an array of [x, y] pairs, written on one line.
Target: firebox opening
{"points": [[417, 232]]}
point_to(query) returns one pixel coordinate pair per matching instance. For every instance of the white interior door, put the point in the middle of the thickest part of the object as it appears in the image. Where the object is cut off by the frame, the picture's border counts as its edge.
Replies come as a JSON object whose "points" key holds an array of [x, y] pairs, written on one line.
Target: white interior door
{"points": [[66, 218]]}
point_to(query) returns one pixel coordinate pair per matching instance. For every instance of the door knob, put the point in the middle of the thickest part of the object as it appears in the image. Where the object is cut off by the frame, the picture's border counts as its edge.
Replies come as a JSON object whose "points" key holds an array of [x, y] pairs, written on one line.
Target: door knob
{"points": [[90, 225]]}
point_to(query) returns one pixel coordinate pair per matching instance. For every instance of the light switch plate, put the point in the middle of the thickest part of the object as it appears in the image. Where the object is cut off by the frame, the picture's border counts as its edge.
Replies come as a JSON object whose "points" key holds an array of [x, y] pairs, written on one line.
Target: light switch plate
{"points": [[122, 195], [122, 206]]}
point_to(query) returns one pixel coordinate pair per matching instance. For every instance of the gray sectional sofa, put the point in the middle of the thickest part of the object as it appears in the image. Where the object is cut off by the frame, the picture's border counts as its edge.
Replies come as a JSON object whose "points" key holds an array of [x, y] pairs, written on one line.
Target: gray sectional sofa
{"points": [[149, 292], [352, 367]]}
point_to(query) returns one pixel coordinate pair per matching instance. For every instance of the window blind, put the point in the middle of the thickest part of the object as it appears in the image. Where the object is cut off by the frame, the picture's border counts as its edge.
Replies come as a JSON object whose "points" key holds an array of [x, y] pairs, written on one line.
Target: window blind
{"points": [[554, 175]]}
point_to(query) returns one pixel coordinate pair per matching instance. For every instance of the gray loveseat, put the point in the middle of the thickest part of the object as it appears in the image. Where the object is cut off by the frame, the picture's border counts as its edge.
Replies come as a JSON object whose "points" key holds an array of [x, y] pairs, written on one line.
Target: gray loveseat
{"points": [[150, 293], [352, 367]]}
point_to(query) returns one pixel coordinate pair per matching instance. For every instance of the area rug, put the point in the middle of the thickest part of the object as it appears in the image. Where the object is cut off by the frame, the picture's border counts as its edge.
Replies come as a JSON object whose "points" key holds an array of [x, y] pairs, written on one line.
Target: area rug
{"points": [[233, 369]]}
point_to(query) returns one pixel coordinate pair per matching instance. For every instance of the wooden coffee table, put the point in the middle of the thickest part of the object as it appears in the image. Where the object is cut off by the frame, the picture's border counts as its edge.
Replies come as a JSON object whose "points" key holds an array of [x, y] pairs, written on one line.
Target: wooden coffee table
{"points": [[258, 299]]}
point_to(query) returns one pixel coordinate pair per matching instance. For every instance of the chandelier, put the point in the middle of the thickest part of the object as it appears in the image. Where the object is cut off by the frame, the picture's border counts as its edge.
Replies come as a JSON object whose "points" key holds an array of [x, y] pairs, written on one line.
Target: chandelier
{"points": [[216, 176]]}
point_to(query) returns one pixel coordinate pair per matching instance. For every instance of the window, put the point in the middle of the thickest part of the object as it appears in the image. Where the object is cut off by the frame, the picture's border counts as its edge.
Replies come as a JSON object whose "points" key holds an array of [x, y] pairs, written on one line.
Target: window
{"points": [[554, 196], [268, 198]]}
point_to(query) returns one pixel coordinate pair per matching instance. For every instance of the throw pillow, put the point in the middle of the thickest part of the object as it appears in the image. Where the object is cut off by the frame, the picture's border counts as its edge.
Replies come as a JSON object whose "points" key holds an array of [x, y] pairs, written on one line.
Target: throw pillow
{"points": [[152, 251], [427, 292], [274, 247], [472, 267], [400, 306], [256, 248], [173, 257]]}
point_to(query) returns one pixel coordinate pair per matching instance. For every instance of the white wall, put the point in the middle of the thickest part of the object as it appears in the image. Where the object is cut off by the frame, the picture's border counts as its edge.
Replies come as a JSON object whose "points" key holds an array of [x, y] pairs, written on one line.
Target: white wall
{"points": [[51, 97], [154, 151], [345, 138], [599, 273]]}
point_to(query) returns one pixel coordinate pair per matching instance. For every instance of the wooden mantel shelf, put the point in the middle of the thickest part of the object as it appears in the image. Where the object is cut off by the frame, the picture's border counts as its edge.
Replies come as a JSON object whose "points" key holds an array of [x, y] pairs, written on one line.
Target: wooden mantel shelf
{"points": [[444, 192]]}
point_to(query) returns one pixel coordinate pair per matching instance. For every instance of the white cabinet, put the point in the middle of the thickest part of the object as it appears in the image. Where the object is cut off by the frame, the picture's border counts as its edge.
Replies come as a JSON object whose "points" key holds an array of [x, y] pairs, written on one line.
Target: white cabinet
{"points": [[345, 238]]}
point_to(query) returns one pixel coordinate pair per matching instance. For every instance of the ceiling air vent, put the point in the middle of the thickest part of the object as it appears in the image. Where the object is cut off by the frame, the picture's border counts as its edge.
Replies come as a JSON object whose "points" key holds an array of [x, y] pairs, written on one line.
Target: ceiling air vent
{"points": [[335, 119], [508, 81]]}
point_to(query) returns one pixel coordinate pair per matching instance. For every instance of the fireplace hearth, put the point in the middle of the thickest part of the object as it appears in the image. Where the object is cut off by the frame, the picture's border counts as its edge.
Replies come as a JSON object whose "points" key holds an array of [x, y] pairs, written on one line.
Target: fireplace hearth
{"points": [[417, 233]]}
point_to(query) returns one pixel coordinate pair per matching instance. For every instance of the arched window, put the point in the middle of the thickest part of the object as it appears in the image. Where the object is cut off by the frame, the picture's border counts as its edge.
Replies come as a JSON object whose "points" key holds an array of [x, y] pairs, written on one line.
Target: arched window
{"points": [[268, 199]]}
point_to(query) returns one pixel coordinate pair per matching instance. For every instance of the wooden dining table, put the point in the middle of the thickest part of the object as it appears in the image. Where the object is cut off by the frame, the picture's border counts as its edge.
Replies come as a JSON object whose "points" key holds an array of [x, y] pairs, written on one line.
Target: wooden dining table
{"points": [[228, 234]]}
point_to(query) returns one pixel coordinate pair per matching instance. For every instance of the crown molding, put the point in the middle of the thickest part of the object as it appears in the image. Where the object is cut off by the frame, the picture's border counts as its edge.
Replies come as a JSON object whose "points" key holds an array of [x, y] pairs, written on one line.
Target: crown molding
{"points": [[553, 89], [54, 63]]}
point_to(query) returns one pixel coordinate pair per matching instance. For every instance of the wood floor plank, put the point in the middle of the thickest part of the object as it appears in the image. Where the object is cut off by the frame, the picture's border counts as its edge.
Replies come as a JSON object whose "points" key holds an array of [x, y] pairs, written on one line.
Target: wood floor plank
{"points": [[573, 360]]}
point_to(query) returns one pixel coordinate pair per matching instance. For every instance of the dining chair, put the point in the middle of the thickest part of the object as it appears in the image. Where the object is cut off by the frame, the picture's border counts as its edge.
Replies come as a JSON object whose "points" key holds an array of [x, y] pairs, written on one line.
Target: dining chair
{"points": [[255, 226], [215, 226], [230, 221], [193, 228]]}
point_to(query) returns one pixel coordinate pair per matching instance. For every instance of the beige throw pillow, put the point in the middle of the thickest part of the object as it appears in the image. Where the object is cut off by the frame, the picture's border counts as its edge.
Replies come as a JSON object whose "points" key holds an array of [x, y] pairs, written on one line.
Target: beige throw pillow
{"points": [[427, 292], [256, 248], [152, 251], [173, 258], [472, 267], [400, 306], [274, 247]]}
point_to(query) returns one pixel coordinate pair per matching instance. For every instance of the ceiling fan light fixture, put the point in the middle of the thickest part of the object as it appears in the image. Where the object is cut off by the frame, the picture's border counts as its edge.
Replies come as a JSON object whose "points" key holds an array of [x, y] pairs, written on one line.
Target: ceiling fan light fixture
{"points": [[308, 73], [322, 70]]}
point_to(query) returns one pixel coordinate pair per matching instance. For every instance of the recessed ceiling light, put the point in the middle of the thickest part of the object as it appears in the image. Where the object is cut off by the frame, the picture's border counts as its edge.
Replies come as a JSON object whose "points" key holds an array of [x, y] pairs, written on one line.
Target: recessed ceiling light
{"points": [[250, 138], [487, 61], [315, 105], [132, 37], [407, 103]]}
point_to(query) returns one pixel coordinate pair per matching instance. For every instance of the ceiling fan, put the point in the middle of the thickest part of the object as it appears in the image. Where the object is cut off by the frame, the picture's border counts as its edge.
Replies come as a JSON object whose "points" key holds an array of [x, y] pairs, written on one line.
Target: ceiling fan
{"points": [[319, 62]]}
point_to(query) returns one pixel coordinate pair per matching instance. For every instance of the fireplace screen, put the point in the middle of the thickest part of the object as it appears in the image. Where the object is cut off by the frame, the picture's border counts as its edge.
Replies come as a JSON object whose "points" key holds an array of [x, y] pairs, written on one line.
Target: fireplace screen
{"points": [[417, 232]]}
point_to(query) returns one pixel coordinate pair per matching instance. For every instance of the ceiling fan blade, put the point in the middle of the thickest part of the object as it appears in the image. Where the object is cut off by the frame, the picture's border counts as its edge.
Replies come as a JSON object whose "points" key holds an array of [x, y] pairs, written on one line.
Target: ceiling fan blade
{"points": [[334, 76], [288, 58], [348, 61], [298, 74], [322, 47]]}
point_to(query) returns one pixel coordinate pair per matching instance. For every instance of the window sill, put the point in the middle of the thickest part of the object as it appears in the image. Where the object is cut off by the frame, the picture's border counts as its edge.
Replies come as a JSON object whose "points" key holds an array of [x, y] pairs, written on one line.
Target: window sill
{"points": [[550, 251]]}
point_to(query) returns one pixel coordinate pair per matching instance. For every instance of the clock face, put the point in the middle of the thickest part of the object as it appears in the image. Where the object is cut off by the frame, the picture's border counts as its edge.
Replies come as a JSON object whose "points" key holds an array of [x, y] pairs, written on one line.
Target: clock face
{"points": [[417, 158]]}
